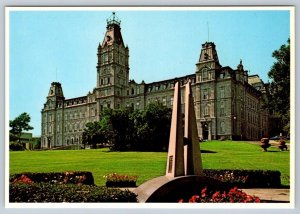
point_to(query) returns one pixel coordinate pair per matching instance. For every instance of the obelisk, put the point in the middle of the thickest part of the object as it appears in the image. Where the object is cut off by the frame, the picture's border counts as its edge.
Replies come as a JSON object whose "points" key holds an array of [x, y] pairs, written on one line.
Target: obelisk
{"points": [[175, 161], [192, 154]]}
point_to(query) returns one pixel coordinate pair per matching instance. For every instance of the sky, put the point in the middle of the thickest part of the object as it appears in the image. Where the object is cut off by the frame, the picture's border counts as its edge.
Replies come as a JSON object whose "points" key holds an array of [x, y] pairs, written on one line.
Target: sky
{"points": [[61, 46]]}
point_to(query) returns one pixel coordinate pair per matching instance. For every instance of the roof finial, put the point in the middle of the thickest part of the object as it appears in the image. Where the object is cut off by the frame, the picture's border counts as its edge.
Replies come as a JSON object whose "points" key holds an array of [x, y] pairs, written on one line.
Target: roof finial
{"points": [[113, 19]]}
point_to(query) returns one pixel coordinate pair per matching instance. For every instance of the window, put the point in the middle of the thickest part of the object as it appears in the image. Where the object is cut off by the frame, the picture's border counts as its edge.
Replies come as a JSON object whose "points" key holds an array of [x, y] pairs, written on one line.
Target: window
{"points": [[105, 57], [222, 92], [132, 91], [206, 110], [222, 127], [108, 80], [204, 74], [108, 105], [222, 109], [171, 101], [205, 94]]}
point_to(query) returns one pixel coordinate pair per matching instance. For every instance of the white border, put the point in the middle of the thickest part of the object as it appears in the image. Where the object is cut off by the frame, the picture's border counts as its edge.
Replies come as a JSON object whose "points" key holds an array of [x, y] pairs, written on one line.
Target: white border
{"points": [[154, 205]]}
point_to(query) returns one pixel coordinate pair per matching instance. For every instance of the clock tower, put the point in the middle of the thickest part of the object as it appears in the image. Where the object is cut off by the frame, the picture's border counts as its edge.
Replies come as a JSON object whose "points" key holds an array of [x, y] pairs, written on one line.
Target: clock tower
{"points": [[112, 67]]}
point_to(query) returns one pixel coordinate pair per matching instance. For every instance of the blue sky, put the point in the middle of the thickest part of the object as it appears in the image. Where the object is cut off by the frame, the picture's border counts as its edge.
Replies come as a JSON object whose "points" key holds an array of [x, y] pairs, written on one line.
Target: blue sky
{"points": [[47, 46]]}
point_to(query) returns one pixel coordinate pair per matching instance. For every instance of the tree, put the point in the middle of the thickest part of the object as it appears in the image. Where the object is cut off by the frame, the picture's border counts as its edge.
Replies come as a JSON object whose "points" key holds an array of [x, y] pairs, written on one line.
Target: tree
{"points": [[146, 130], [18, 125], [279, 89], [157, 119]]}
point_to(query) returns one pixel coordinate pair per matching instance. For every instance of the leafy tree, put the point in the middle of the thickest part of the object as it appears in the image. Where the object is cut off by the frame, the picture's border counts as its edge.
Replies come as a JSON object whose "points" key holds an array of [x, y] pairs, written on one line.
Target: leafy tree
{"points": [[146, 130], [157, 119], [127, 129], [123, 128], [96, 133], [18, 125], [279, 89]]}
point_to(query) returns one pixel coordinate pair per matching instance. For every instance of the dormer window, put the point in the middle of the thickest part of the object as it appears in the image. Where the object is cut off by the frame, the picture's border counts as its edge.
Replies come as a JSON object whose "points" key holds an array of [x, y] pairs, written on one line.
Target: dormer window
{"points": [[105, 57]]}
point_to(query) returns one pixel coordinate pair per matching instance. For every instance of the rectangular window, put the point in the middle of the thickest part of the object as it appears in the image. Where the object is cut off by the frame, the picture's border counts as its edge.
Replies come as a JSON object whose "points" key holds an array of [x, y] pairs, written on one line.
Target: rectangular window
{"points": [[171, 101], [222, 92], [105, 57], [204, 75], [205, 94], [206, 110]]}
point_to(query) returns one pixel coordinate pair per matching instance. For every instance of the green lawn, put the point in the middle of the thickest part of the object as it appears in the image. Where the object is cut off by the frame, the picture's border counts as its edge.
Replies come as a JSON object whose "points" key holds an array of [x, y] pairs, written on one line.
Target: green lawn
{"points": [[147, 165]]}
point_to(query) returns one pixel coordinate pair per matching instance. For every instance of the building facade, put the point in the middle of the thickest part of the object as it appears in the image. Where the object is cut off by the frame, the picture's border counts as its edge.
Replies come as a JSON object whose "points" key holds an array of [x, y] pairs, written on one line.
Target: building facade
{"points": [[228, 102]]}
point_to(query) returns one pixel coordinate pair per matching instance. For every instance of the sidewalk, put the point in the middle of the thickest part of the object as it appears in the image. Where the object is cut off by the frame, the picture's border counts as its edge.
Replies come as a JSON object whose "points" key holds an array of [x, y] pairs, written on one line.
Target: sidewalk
{"points": [[270, 195], [265, 194]]}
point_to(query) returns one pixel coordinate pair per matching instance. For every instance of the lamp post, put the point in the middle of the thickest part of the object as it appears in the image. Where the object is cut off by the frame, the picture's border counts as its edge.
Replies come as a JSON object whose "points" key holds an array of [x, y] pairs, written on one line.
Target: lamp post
{"points": [[234, 126]]}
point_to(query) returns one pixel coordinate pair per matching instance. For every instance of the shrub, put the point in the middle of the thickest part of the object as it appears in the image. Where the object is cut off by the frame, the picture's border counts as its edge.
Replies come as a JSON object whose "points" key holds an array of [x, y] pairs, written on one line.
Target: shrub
{"points": [[246, 178], [232, 196], [46, 192], [116, 180], [14, 146], [79, 177]]}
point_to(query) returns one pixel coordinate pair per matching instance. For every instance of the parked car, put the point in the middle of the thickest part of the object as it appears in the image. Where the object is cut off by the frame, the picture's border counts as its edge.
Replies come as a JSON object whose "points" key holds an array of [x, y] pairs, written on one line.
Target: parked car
{"points": [[280, 137], [275, 138]]}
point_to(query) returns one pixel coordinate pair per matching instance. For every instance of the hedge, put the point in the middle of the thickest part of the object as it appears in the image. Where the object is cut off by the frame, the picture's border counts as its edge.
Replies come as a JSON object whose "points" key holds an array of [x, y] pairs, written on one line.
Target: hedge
{"points": [[246, 178], [78, 177], [46, 192]]}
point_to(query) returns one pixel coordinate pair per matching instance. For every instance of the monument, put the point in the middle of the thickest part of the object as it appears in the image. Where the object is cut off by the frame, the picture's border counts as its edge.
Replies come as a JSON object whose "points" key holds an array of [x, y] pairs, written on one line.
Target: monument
{"points": [[184, 173]]}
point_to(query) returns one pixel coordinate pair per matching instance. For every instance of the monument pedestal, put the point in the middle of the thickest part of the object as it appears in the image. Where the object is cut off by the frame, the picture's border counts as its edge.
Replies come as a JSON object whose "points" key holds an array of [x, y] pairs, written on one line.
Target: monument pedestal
{"points": [[172, 189]]}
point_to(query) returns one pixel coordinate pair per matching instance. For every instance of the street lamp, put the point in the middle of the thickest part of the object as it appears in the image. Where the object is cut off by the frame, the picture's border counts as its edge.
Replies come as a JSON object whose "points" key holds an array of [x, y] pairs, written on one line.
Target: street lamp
{"points": [[234, 125]]}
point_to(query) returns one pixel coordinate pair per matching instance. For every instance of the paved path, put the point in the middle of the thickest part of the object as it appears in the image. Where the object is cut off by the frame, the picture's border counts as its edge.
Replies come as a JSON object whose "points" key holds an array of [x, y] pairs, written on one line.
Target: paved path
{"points": [[272, 195], [265, 194]]}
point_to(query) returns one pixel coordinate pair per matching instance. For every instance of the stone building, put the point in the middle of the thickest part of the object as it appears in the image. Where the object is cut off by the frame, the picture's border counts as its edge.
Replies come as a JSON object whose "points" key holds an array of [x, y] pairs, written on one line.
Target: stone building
{"points": [[228, 102]]}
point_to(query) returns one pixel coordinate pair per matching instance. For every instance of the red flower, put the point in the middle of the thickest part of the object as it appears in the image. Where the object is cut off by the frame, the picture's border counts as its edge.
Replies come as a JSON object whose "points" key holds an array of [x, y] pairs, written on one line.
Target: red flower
{"points": [[203, 192], [23, 179]]}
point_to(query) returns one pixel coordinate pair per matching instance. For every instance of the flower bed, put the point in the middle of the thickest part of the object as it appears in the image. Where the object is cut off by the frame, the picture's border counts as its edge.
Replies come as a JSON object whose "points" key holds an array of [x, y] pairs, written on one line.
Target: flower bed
{"points": [[79, 177], [246, 178], [46, 192], [117, 180], [232, 196]]}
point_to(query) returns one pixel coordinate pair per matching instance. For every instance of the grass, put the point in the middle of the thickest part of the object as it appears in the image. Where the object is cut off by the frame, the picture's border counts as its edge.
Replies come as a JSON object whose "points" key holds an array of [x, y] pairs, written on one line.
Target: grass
{"points": [[148, 165]]}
